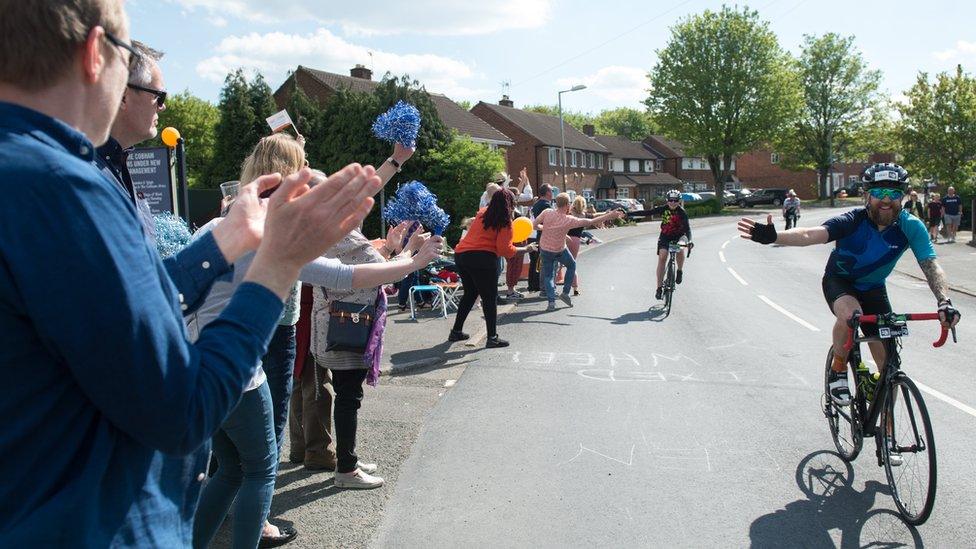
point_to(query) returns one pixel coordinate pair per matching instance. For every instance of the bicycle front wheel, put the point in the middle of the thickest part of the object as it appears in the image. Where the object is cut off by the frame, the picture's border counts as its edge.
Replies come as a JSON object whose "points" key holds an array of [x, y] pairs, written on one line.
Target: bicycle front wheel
{"points": [[909, 451], [843, 421], [668, 289]]}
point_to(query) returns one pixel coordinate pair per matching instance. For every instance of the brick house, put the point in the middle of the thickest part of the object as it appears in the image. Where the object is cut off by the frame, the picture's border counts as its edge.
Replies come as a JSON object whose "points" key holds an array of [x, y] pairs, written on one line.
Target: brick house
{"points": [[693, 171], [320, 86], [537, 147], [760, 169], [634, 171]]}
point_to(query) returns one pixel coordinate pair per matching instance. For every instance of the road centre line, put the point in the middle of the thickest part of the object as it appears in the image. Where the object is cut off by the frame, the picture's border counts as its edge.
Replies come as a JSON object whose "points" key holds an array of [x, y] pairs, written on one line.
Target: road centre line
{"points": [[721, 255], [790, 315], [726, 243], [737, 277]]}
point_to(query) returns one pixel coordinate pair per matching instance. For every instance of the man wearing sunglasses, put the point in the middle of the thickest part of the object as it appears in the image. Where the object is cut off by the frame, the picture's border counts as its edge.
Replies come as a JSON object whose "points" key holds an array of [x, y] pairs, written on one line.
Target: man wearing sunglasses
{"points": [[868, 243], [674, 226], [136, 122]]}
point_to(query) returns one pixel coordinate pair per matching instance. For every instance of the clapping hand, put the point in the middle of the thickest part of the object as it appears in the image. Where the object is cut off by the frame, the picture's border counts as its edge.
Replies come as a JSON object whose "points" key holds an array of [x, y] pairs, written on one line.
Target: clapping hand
{"points": [[395, 237], [429, 251], [417, 239]]}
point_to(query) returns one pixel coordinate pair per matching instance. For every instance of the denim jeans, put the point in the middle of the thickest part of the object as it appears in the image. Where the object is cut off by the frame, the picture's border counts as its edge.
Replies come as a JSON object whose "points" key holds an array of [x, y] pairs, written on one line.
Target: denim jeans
{"points": [[245, 447], [549, 260], [279, 366]]}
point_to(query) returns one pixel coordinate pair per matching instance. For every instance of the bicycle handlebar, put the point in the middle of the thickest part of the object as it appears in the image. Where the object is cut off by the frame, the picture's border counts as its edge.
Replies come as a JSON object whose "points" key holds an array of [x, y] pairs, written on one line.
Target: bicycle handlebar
{"points": [[873, 319]]}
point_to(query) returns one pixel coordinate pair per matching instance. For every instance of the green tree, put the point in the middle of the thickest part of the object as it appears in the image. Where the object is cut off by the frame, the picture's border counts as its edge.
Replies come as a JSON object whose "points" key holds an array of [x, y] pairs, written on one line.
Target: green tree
{"points": [[626, 122], [938, 129], [305, 113], [464, 104], [196, 119], [840, 101], [722, 86], [262, 102], [235, 133]]}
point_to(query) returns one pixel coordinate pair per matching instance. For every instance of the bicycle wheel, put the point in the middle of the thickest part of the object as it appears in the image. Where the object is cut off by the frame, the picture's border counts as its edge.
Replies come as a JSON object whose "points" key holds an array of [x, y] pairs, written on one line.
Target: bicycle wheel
{"points": [[668, 288], [908, 434], [844, 421]]}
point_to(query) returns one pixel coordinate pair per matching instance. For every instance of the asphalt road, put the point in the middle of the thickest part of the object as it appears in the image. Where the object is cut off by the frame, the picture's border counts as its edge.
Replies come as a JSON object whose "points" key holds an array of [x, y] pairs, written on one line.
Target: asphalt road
{"points": [[607, 425]]}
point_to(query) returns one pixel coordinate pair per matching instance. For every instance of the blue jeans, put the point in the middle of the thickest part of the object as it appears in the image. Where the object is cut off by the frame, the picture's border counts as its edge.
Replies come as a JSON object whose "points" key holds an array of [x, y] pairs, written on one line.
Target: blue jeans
{"points": [[245, 448], [279, 366], [549, 260]]}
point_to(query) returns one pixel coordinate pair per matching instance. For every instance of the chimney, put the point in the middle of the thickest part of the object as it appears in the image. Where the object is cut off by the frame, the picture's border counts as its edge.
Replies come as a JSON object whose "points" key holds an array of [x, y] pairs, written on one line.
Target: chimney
{"points": [[506, 102], [360, 71], [589, 130]]}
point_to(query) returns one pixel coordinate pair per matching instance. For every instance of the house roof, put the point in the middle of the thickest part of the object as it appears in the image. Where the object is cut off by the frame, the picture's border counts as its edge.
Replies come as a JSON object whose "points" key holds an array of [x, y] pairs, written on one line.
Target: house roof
{"points": [[545, 128], [674, 149], [450, 113], [621, 147], [656, 178]]}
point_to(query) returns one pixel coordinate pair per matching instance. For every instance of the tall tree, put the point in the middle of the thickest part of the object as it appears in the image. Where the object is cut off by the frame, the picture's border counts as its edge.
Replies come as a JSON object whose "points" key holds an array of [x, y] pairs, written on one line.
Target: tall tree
{"points": [[236, 132], [262, 102], [196, 119], [840, 102], [722, 86], [938, 128], [626, 122], [305, 113]]}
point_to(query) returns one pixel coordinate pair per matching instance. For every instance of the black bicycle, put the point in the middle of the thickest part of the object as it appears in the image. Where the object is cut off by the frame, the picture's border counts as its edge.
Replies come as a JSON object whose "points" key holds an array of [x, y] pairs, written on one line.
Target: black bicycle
{"points": [[890, 409], [671, 272]]}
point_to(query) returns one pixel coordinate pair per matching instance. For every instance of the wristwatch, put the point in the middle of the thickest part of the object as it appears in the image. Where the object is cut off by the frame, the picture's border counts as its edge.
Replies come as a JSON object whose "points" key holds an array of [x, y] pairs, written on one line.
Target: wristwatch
{"points": [[396, 164]]}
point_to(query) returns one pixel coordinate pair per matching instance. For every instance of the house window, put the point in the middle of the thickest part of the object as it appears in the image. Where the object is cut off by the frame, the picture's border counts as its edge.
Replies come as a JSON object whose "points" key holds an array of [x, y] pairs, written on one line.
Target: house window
{"points": [[648, 165], [599, 161], [659, 165], [616, 165], [686, 164], [592, 163], [553, 156], [633, 166], [572, 158], [774, 158], [623, 192]]}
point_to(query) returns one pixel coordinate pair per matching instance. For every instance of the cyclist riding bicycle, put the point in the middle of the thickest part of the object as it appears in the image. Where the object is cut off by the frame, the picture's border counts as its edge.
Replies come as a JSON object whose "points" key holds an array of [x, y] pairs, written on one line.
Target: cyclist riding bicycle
{"points": [[674, 225], [868, 243], [791, 209]]}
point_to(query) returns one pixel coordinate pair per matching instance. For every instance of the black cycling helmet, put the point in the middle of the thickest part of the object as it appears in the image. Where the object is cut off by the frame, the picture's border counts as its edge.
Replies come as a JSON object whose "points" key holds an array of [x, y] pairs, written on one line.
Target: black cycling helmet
{"points": [[886, 175]]}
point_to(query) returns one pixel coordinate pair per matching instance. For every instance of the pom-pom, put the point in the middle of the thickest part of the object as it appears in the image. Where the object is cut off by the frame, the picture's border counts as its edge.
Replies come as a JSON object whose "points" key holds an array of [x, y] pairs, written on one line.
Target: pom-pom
{"points": [[400, 124], [415, 202], [172, 234]]}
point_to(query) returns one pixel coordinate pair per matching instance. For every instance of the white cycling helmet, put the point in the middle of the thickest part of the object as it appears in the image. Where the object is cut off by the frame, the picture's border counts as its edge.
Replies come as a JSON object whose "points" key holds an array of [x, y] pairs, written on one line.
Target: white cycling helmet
{"points": [[672, 194]]}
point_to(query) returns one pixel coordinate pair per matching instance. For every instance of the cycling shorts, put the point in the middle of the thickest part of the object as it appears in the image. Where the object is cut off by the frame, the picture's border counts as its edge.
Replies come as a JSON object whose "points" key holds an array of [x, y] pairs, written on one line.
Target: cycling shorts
{"points": [[663, 242], [873, 301]]}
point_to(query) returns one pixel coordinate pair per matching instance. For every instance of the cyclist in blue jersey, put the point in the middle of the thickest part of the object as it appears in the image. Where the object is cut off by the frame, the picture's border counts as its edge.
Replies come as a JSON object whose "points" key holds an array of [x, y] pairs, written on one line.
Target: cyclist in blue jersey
{"points": [[868, 243]]}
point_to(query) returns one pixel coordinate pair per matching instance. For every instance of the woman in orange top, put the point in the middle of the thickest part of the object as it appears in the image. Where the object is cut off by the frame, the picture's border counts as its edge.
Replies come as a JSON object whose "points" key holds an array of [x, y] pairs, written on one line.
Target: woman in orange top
{"points": [[476, 257]]}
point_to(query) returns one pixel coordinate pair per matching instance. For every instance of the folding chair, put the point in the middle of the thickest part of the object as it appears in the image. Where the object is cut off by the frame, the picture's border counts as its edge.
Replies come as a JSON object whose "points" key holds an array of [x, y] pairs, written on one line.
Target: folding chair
{"points": [[428, 288], [450, 290]]}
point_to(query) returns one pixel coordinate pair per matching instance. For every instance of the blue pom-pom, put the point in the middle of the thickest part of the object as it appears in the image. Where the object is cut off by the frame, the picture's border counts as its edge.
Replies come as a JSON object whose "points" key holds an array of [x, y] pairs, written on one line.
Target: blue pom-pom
{"points": [[400, 124], [172, 234], [415, 202]]}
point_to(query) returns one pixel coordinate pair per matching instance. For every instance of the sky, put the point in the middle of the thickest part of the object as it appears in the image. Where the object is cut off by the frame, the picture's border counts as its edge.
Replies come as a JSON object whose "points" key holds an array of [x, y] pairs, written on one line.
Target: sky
{"points": [[529, 49]]}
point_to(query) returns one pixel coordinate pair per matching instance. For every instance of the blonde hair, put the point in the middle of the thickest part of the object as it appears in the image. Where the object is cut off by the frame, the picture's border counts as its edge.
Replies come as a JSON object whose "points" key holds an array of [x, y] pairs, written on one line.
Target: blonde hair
{"points": [[39, 39], [579, 205], [280, 153], [562, 200]]}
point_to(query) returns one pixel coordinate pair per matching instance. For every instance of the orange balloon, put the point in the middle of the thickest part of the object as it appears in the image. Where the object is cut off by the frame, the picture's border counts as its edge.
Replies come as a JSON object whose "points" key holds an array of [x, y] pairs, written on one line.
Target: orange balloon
{"points": [[170, 136], [521, 229]]}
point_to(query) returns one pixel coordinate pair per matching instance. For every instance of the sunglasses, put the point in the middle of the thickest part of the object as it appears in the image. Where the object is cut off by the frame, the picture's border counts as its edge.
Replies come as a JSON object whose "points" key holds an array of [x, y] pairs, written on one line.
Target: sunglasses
{"points": [[134, 56], [674, 200], [159, 94], [882, 193]]}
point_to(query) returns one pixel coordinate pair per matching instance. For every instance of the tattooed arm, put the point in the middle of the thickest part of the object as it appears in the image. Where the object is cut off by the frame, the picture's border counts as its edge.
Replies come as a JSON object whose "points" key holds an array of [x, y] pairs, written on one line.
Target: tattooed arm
{"points": [[936, 278]]}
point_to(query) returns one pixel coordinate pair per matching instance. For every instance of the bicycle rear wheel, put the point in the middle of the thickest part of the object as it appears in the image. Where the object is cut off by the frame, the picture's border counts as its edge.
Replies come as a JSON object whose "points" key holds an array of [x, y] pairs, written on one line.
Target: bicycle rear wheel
{"points": [[908, 435], [844, 422]]}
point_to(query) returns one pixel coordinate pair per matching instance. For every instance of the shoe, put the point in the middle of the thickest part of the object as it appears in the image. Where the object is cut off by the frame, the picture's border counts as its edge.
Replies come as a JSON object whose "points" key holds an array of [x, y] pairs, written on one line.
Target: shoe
{"points": [[552, 306], [287, 534], [495, 341], [840, 393], [368, 468], [357, 480], [576, 292], [457, 336], [514, 295], [894, 458], [566, 299], [659, 293], [677, 277]]}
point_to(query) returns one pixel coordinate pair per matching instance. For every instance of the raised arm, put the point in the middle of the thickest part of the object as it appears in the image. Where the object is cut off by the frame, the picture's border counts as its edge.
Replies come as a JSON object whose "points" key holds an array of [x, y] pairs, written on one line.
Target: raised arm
{"points": [[400, 155], [765, 233]]}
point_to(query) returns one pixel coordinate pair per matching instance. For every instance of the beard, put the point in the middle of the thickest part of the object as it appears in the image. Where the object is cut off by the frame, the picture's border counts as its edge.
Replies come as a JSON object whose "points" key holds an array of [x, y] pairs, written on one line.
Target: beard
{"points": [[881, 217]]}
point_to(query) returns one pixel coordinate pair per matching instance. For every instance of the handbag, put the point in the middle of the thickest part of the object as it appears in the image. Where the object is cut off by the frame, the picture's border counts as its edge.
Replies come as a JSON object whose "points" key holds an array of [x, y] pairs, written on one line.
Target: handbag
{"points": [[350, 325]]}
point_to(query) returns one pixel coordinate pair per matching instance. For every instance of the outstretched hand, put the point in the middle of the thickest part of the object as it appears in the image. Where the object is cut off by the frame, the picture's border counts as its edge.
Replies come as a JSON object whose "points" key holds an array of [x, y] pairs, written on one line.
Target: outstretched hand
{"points": [[763, 233]]}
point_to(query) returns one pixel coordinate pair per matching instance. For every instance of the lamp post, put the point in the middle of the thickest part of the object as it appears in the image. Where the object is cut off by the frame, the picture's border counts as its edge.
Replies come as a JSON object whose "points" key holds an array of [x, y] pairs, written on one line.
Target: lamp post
{"points": [[562, 133]]}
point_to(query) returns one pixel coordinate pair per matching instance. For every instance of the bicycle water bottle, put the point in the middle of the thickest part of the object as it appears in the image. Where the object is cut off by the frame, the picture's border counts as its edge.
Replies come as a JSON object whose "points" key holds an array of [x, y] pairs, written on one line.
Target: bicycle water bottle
{"points": [[864, 380]]}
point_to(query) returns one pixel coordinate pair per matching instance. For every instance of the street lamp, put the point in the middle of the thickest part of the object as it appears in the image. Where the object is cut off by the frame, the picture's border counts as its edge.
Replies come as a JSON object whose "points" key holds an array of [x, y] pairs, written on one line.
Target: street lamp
{"points": [[562, 133]]}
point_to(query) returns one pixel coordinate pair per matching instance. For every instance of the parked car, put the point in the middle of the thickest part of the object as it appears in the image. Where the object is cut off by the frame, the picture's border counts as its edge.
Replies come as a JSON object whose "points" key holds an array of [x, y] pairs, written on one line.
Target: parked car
{"points": [[774, 197], [738, 194], [630, 204], [691, 197], [706, 195], [604, 204]]}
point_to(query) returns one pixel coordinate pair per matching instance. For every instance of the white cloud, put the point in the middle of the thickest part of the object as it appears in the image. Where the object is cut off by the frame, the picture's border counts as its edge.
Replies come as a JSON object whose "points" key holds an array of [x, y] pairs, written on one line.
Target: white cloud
{"points": [[962, 51], [217, 21], [276, 53], [386, 17], [623, 86]]}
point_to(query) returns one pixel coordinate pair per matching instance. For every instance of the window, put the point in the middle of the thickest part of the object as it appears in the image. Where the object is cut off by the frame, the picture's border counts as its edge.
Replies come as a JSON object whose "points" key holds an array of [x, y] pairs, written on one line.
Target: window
{"points": [[648, 165], [623, 192], [633, 166], [553, 156], [572, 158], [659, 165], [774, 158], [686, 164], [616, 165], [599, 161], [592, 163]]}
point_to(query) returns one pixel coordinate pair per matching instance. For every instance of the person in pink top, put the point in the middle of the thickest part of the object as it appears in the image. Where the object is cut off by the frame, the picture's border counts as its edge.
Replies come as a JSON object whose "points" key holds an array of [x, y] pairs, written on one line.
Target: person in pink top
{"points": [[554, 226]]}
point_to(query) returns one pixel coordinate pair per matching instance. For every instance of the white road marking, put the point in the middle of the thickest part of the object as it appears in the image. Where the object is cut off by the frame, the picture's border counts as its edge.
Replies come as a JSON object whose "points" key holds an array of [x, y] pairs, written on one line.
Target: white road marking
{"points": [[450, 383], [947, 399], [721, 255], [726, 243], [737, 277], [790, 315]]}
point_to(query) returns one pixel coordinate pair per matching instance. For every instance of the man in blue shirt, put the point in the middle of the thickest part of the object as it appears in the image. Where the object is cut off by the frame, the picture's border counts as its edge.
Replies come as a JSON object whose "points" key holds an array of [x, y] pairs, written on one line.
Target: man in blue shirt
{"points": [[868, 243], [102, 380], [952, 203]]}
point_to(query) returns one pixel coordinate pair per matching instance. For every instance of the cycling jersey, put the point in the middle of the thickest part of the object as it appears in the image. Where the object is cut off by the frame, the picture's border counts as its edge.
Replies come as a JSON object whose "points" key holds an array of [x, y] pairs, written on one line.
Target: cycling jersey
{"points": [[865, 255], [674, 223]]}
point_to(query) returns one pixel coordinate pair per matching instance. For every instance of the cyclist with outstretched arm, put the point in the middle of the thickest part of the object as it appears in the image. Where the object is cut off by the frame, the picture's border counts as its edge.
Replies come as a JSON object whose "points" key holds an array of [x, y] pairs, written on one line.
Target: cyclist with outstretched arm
{"points": [[674, 225], [868, 243]]}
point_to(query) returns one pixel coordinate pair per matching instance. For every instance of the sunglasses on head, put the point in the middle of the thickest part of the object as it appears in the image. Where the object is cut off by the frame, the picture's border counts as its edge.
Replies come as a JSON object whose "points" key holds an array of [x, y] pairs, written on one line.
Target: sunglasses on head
{"points": [[160, 95], [881, 193], [134, 56]]}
